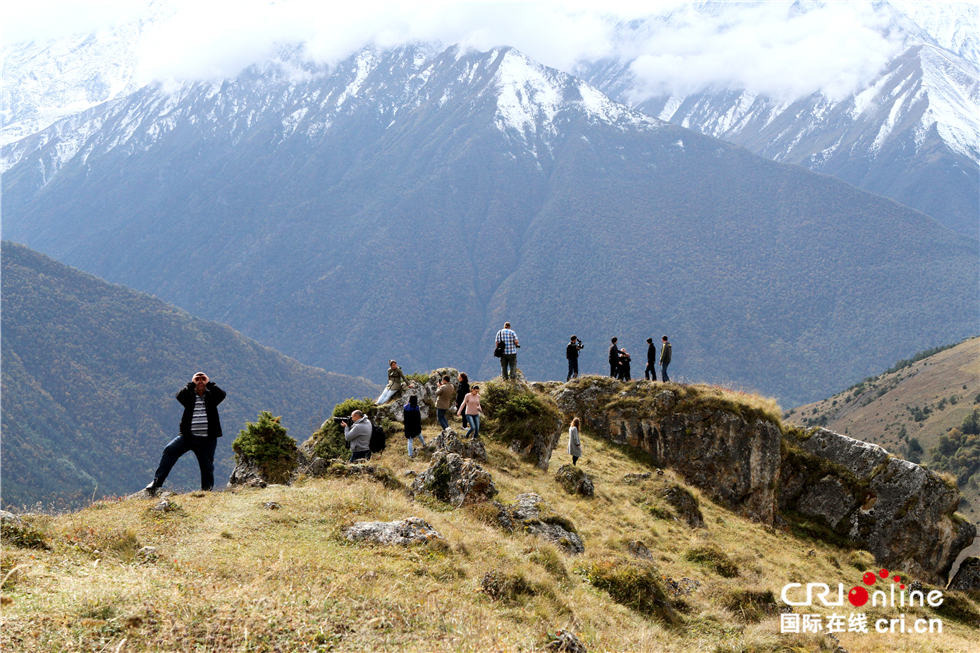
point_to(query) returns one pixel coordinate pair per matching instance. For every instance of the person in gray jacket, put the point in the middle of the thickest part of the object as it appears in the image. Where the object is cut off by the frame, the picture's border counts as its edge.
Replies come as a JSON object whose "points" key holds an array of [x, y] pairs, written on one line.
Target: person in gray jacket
{"points": [[357, 432], [574, 442]]}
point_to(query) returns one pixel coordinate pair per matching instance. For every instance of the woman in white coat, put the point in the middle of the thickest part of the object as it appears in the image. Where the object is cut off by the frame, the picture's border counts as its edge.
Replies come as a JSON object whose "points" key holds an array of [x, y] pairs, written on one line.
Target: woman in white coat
{"points": [[574, 443]]}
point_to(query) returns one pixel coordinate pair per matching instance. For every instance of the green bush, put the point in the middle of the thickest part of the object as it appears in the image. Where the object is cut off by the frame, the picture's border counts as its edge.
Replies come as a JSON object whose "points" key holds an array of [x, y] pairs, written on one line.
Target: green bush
{"points": [[328, 441], [633, 584], [23, 535], [513, 410], [266, 444], [715, 559]]}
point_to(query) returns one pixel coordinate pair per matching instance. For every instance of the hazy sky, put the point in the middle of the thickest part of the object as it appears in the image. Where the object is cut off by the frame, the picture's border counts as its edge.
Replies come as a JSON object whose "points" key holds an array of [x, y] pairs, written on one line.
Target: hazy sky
{"points": [[765, 47]]}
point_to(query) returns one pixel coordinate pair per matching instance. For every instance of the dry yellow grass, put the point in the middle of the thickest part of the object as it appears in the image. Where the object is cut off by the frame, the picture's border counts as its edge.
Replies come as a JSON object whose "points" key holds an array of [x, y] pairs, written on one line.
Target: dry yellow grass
{"points": [[233, 575]]}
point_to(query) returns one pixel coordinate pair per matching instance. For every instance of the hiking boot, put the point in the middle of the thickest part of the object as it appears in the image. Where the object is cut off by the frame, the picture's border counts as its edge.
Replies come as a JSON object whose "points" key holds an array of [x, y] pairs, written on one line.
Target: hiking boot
{"points": [[152, 488]]}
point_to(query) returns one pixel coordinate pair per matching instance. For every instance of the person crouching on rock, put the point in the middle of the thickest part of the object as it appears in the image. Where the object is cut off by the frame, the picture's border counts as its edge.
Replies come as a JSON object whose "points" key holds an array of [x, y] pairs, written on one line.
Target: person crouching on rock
{"points": [[413, 423], [200, 429], [357, 432], [471, 409], [574, 443]]}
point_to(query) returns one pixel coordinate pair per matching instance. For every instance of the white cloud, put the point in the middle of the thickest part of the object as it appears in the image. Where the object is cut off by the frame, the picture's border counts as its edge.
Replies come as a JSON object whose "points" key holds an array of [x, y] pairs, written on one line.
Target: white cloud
{"points": [[764, 47]]}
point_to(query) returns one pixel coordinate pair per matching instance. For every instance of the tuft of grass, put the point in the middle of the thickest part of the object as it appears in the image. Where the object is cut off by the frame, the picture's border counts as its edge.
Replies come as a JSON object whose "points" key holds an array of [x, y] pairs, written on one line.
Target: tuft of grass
{"points": [[24, 536], [713, 558], [752, 605], [633, 584]]}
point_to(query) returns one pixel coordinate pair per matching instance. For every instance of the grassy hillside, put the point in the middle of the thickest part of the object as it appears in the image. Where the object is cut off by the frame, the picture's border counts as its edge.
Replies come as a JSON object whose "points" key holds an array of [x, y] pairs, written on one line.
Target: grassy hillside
{"points": [[89, 376], [908, 408], [231, 573]]}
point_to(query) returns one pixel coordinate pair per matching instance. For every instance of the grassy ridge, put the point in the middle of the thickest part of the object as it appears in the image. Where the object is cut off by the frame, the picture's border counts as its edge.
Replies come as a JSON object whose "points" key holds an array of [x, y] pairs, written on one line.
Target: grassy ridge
{"points": [[232, 574]]}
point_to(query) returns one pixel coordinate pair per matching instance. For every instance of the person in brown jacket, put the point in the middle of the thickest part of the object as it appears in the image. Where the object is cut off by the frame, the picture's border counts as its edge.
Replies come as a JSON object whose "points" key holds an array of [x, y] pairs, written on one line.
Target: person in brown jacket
{"points": [[444, 400]]}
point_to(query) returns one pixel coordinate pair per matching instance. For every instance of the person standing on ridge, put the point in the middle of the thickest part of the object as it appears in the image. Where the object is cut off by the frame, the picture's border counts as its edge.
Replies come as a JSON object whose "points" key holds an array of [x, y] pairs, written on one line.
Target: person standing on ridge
{"points": [[200, 429], [462, 390], [471, 409], [614, 359], [444, 400], [624, 365], [574, 442], [413, 423], [664, 359], [571, 353], [650, 373], [509, 358]]}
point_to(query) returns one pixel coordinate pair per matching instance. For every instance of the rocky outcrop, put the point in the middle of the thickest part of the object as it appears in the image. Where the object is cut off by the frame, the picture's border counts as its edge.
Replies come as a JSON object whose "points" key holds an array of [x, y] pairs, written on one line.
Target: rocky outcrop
{"points": [[574, 481], [450, 442], [967, 578], [536, 446], [426, 393], [733, 458], [530, 514], [413, 530], [902, 513], [455, 480], [247, 474], [685, 504]]}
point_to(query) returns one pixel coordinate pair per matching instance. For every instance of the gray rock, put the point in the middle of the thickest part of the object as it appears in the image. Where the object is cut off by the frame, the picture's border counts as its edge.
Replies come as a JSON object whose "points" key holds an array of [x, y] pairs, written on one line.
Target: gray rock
{"points": [[530, 514], [455, 480], [165, 505], [967, 578], [247, 474], [575, 481], [634, 479], [426, 393], [565, 641], [639, 550], [685, 504], [450, 442], [272, 505], [536, 447], [412, 530], [316, 467], [10, 518]]}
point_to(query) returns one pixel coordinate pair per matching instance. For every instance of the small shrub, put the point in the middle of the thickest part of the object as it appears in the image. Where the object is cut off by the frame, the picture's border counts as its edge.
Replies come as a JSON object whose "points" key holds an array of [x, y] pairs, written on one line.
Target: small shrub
{"points": [[549, 558], [715, 559], [513, 410], [420, 377], [635, 585], [266, 443], [751, 605], [501, 586], [24, 536]]}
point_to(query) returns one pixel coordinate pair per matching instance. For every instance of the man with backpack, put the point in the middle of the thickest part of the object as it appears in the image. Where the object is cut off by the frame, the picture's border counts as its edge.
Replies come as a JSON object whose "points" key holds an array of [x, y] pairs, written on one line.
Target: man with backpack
{"points": [[357, 432], [508, 357]]}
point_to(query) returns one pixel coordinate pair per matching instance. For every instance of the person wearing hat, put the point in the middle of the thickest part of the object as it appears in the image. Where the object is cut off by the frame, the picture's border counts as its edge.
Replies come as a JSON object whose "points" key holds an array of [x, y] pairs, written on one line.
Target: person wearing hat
{"points": [[396, 378]]}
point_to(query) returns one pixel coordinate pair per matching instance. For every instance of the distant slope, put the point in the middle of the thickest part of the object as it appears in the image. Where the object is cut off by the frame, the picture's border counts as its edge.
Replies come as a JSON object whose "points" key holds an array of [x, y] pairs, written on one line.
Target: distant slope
{"points": [[89, 376], [919, 400]]}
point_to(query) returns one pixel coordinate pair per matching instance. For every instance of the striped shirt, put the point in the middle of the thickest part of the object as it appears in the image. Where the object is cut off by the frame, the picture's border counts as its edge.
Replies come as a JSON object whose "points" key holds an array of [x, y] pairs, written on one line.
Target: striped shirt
{"points": [[199, 422], [509, 338]]}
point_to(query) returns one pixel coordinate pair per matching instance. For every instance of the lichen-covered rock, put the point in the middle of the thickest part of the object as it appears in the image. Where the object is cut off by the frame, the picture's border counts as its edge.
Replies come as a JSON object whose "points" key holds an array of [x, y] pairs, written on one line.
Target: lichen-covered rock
{"points": [[450, 442], [639, 550], [455, 480], [685, 504], [733, 459], [565, 641], [967, 578], [368, 470], [902, 513], [635, 478], [412, 530], [536, 446], [247, 474], [575, 481], [530, 514], [426, 393]]}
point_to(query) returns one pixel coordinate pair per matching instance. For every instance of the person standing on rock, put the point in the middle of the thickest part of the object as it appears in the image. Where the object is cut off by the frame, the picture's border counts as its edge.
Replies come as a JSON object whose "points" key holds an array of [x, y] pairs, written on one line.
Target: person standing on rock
{"points": [[200, 429], [571, 353], [664, 359], [650, 372], [444, 401], [471, 409], [508, 339], [614, 359], [396, 378], [357, 432], [574, 443], [624, 365], [462, 390], [413, 423]]}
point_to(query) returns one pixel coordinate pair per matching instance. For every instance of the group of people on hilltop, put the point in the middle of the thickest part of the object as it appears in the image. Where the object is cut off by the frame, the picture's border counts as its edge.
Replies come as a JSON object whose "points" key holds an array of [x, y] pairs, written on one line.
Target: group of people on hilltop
{"points": [[200, 425], [619, 361]]}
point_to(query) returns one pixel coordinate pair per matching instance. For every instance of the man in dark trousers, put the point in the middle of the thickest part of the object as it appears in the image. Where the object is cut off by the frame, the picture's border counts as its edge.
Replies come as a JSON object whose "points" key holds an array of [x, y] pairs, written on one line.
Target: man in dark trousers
{"points": [[200, 429], [650, 373], [664, 359], [571, 353], [614, 359]]}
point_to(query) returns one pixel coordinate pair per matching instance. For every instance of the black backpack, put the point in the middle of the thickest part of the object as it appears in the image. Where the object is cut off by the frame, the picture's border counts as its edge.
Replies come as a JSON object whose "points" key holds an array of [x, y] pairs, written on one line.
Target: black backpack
{"points": [[498, 351], [377, 443]]}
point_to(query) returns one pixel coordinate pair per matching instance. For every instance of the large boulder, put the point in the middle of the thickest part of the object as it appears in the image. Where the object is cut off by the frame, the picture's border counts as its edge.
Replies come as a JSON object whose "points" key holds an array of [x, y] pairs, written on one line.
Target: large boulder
{"points": [[530, 514], [902, 513], [575, 481], [967, 578], [426, 393], [455, 480], [732, 456], [450, 442], [405, 532]]}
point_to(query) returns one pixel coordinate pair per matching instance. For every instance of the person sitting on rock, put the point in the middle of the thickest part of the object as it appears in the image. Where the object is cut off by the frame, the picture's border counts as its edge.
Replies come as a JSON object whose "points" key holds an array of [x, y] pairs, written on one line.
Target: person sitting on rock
{"points": [[413, 423], [396, 378]]}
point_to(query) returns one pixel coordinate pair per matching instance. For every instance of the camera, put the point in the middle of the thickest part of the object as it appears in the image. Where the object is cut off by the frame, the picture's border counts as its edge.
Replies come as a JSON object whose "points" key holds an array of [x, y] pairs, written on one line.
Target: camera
{"points": [[342, 420]]}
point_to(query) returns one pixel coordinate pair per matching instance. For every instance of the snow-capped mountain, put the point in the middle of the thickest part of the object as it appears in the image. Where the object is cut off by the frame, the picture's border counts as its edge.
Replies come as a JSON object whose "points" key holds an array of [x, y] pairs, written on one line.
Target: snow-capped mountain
{"points": [[912, 134], [408, 201]]}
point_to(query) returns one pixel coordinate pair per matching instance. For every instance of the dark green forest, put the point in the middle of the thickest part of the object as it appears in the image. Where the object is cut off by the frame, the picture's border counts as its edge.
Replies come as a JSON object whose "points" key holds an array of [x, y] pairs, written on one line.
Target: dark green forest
{"points": [[89, 375]]}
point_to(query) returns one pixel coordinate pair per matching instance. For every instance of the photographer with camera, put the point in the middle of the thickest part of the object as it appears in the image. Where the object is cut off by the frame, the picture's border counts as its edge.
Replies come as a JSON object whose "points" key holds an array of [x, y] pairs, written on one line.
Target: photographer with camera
{"points": [[357, 432], [571, 353]]}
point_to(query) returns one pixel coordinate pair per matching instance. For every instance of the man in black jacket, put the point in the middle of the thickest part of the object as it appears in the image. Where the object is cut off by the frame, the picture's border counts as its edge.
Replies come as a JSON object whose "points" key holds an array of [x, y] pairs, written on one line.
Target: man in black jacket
{"points": [[614, 359], [650, 373], [571, 353], [200, 429]]}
